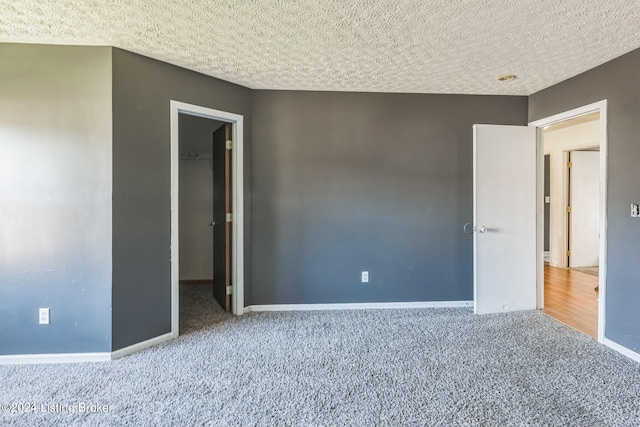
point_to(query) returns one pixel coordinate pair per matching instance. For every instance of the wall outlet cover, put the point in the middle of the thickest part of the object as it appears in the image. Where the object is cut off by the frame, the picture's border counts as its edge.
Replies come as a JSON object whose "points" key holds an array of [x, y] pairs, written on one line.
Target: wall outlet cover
{"points": [[44, 316]]}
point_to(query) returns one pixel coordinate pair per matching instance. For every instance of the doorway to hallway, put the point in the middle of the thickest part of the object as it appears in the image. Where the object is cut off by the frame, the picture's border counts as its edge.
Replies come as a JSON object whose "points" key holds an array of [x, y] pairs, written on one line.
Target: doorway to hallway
{"points": [[574, 200]]}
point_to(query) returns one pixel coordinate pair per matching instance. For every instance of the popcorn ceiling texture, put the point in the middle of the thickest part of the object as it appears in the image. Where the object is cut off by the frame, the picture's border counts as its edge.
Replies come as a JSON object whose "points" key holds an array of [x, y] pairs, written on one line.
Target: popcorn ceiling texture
{"points": [[437, 46]]}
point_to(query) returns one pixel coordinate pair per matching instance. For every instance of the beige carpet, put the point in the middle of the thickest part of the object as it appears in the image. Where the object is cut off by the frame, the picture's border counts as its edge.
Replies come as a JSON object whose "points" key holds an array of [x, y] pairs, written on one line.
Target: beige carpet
{"points": [[594, 271]]}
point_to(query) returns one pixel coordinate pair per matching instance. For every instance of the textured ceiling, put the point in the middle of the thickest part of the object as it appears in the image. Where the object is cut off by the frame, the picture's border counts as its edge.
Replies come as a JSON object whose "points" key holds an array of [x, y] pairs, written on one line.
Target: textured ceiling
{"points": [[437, 46]]}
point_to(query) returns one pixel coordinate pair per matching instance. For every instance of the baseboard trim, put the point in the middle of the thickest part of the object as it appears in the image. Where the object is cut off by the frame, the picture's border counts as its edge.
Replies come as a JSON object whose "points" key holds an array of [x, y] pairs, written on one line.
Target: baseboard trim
{"points": [[357, 306], [622, 350], [30, 359], [141, 346]]}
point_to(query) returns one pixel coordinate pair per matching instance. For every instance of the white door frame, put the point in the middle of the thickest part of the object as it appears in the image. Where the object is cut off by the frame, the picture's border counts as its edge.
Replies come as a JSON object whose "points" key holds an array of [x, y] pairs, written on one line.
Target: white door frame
{"points": [[601, 107], [237, 196]]}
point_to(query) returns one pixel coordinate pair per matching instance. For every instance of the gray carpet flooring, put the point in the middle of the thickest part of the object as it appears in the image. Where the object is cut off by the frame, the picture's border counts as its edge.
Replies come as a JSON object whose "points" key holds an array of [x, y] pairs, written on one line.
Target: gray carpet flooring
{"points": [[426, 367]]}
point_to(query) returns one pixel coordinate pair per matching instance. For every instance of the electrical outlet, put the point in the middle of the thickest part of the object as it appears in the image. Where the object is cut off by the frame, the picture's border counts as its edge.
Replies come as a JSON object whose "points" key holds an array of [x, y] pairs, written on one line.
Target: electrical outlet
{"points": [[365, 277], [635, 210], [44, 316]]}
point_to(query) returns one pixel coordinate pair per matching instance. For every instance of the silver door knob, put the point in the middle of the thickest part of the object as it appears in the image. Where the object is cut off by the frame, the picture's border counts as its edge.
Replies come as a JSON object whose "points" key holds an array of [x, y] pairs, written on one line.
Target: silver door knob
{"points": [[470, 228], [212, 223]]}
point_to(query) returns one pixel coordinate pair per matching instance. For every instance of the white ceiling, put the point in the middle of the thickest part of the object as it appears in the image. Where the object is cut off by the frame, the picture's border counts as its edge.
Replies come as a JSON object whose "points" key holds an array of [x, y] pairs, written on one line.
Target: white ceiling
{"points": [[436, 46]]}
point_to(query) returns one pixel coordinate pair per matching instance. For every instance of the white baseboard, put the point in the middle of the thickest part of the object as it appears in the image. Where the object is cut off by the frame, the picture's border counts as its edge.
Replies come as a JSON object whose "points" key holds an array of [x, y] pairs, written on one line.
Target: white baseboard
{"points": [[357, 306], [29, 359], [141, 346], [622, 350]]}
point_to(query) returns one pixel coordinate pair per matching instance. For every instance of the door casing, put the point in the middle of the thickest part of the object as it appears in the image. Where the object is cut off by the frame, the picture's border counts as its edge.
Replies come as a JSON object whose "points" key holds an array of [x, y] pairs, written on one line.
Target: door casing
{"points": [[601, 107], [237, 156]]}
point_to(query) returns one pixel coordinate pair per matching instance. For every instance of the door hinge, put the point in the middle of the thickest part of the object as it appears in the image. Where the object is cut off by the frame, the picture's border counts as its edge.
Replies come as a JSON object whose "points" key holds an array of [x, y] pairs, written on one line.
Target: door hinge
{"points": [[229, 144], [568, 253], [229, 217], [229, 290], [568, 209], [569, 164]]}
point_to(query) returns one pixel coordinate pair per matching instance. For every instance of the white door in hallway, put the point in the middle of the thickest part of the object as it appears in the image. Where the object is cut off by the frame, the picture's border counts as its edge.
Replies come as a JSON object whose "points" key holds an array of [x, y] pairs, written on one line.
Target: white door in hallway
{"points": [[584, 231], [504, 215]]}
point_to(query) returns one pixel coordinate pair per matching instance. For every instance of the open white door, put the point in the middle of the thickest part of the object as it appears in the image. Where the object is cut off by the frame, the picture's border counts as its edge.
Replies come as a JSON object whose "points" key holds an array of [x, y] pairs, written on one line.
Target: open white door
{"points": [[504, 215]]}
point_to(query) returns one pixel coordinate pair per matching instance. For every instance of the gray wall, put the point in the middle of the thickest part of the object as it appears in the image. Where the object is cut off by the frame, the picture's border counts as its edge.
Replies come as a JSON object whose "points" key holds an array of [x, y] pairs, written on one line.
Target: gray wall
{"points": [[616, 81], [142, 89], [55, 198], [345, 182], [337, 182], [196, 197]]}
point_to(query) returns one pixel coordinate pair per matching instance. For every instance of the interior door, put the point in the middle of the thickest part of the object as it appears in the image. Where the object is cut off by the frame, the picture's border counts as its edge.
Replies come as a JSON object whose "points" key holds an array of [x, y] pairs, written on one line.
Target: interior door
{"points": [[504, 214], [229, 214], [584, 241], [219, 215]]}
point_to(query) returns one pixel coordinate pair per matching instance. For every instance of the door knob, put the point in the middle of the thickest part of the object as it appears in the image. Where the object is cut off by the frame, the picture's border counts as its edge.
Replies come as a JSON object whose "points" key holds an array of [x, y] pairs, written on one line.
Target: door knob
{"points": [[470, 228], [212, 223]]}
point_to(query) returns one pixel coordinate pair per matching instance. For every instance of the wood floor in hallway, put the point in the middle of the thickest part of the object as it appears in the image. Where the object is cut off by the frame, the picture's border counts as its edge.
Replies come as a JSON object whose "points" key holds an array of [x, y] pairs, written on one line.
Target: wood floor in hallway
{"points": [[569, 297]]}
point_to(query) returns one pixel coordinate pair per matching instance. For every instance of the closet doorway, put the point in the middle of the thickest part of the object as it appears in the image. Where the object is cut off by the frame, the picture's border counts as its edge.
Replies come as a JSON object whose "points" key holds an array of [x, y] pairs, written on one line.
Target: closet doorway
{"points": [[196, 267]]}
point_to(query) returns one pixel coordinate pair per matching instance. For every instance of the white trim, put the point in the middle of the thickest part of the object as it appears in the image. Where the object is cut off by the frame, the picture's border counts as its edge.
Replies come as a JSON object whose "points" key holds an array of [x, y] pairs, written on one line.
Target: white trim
{"points": [[604, 161], [571, 114], [563, 259], [622, 350], [601, 107], [539, 219], [357, 306], [475, 215], [237, 243], [30, 359], [175, 222], [141, 346]]}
